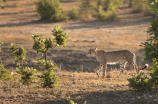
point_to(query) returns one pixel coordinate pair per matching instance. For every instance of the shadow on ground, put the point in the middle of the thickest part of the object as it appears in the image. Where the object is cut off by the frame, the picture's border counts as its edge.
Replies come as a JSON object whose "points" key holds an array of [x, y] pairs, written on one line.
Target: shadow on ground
{"points": [[109, 97], [69, 60]]}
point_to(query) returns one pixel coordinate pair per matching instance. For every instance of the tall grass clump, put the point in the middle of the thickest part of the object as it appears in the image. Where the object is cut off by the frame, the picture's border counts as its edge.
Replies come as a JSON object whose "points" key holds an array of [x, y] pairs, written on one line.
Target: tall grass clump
{"points": [[51, 10]]}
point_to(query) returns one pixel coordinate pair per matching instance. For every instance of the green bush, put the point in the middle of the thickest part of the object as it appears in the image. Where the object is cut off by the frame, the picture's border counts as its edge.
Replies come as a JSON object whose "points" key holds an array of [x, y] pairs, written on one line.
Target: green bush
{"points": [[19, 54], [142, 6], [3, 6], [50, 10], [154, 74], [48, 79], [27, 75], [74, 14], [107, 15], [5, 74], [140, 82], [112, 5]]}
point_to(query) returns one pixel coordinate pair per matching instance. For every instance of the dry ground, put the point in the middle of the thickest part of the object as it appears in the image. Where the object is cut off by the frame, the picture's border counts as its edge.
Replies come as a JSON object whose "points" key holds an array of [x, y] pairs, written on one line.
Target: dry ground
{"points": [[19, 19]]}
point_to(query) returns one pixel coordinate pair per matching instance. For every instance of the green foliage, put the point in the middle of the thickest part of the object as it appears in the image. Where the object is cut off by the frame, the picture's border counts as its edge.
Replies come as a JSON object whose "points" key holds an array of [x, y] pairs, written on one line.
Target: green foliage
{"points": [[151, 44], [49, 65], [19, 54], [112, 5], [154, 74], [102, 9], [4, 0], [50, 10], [5, 74], [3, 6], [27, 75], [74, 14], [60, 37], [48, 79], [140, 82], [72, 102], [107, 15], [142, 6], [20, 57]]}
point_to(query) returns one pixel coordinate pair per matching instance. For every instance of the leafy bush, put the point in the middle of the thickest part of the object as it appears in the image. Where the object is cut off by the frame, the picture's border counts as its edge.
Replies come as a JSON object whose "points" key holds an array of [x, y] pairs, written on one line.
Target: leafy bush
{"points": [[3, 6], [49, 65], [19, 54], [142, 6], [154, 74], [50, 10], [102, 9], [74, 14], [48, 79], [27, 75], [5, 74], [107, 15], [112, 5], [151, 44], [140, 82]]}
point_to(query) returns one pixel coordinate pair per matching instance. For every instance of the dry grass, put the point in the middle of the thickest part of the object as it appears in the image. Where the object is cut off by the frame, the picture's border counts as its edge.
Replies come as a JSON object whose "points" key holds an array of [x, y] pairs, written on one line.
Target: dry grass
{"points": [[79, 87]]}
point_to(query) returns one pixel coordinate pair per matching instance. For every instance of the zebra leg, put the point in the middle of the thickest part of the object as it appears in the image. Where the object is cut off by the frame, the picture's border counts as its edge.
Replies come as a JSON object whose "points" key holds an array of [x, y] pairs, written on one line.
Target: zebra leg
{"points": [[122, 66], [104, 69], [98, 71]]}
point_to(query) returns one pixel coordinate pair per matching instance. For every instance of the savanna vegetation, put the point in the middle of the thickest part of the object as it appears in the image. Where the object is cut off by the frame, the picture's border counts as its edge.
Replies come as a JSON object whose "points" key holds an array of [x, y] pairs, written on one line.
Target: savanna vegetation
{"points": [[38, 74]]}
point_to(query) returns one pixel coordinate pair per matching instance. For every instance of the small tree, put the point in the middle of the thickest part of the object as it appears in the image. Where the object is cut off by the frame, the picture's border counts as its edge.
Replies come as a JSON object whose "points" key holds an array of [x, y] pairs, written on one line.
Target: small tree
{"points": [[48, 79]]}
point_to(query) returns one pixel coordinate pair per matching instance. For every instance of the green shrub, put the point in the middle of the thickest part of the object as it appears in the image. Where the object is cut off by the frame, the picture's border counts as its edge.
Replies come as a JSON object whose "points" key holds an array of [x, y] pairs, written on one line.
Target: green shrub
{"points": [[4, 0], [140, 82], [19, 54], [3, 6], [112, 5], [27, 75], [142, 6], [48, 79], [5, 74], [154, 74], [107, 15], [43, 65], [74, 14], [50, 10]]}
